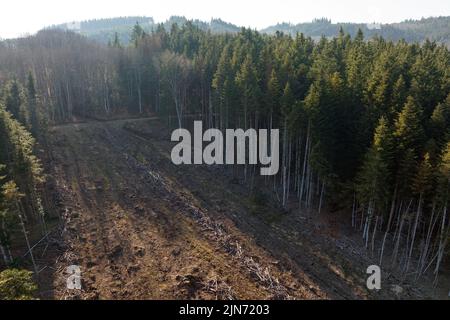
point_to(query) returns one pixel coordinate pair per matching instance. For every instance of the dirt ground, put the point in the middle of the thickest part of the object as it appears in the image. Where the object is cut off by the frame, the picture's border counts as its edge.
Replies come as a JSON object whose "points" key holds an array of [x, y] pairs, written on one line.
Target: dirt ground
{"points": [[142, 228]]}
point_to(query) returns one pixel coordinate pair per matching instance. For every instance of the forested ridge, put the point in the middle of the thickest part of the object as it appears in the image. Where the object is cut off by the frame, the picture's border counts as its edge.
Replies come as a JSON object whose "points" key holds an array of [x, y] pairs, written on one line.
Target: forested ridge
{"points": [[364, 123], [433, 28], [104, 30]]}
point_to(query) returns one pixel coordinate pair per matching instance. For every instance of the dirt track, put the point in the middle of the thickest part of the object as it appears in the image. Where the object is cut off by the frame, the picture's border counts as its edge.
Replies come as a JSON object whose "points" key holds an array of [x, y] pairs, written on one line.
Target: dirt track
{"points": [[142, 228]]}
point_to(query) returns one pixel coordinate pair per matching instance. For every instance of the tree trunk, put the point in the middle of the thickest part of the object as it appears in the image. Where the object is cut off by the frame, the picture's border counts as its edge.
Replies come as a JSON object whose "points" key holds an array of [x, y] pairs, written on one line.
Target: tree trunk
{"points": [[442, 243], [305, 159], [419, 209], [322, 192], [388, 227], [26, 240], [4, 255]]}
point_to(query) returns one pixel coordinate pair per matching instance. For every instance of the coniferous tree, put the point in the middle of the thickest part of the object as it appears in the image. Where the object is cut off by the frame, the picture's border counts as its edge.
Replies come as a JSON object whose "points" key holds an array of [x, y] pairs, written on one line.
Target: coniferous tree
{"points": [[13, 100], [409, 131]]}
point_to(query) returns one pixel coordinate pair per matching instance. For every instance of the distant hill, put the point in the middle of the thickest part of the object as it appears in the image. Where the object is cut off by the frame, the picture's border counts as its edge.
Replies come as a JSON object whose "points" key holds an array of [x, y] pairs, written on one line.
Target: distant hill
{"points": [[103, 30], [437, 29], [215, 25]]}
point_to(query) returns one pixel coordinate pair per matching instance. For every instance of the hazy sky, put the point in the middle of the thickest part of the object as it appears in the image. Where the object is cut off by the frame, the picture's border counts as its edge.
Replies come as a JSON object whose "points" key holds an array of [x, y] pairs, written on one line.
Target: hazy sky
{"points": [[18, 17]]}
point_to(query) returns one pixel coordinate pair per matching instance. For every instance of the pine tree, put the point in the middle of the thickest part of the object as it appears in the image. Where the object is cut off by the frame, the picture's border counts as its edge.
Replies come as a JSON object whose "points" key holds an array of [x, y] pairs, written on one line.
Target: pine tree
{"points": [[273, 94], [426, 84], [409, 131], [409, 136], [423, 182], [247, 82], [374, 182], [399, 95], [287, 101], [440, 125], [224, 85], [13, 100], [443, 189], [116, 41], [137, 34]]}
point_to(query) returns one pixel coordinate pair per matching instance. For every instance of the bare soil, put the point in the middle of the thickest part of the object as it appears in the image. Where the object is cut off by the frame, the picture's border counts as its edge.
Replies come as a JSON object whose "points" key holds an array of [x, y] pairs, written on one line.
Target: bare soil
{"points": [[142, 228]]}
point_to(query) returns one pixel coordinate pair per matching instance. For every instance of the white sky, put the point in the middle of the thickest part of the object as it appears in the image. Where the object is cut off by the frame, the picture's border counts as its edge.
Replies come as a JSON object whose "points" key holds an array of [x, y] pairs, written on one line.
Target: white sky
{"points": [[19, 17]]}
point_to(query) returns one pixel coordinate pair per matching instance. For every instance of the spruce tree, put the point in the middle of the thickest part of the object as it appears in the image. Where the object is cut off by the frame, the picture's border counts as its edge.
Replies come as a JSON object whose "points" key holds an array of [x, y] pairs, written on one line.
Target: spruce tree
{"points": [[13, 100], [408, 127]]}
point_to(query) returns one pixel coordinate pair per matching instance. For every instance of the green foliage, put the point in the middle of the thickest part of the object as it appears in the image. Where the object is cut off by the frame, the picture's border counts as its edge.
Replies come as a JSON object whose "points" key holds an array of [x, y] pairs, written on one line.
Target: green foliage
{"points": [[32, 104], [411, 30], [14, 100], [423, 182], [137, 34], [20, 179], [435, 29], [17, 285], [247, 84], [344, 90], [408, 126], [443, 177], [374, 183], [439, 125]]}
